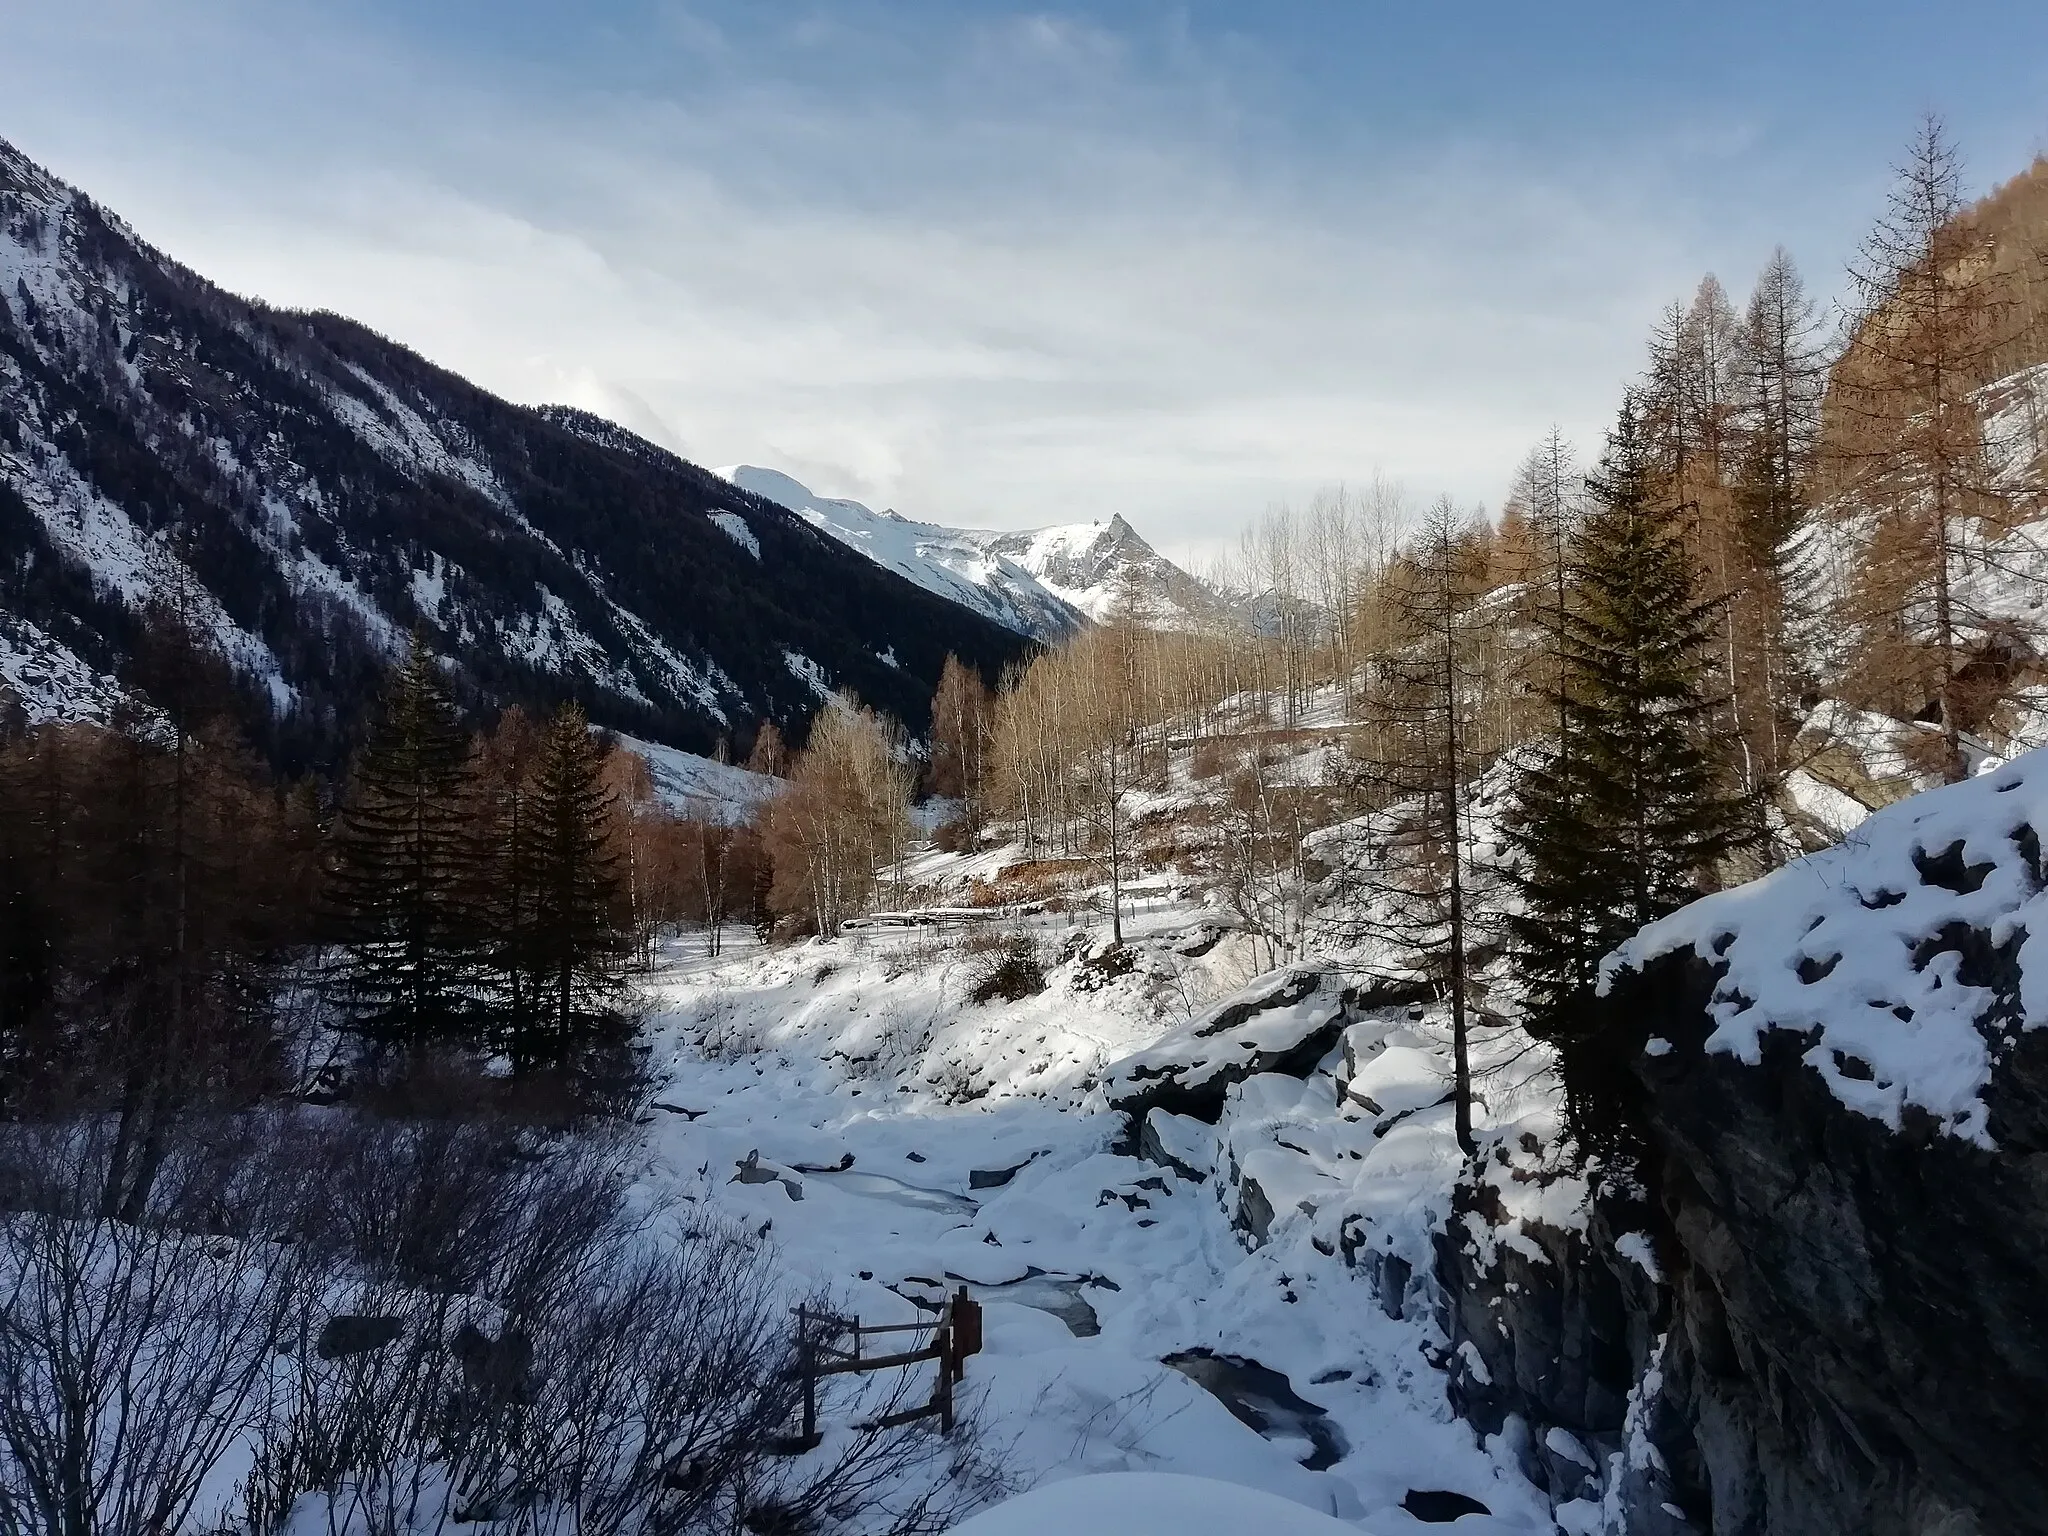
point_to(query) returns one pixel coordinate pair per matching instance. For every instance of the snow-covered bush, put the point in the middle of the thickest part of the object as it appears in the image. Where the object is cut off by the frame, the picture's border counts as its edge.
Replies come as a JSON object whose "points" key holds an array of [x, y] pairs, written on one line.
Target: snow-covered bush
{"points": [[1003, 965], [340, 1324]]}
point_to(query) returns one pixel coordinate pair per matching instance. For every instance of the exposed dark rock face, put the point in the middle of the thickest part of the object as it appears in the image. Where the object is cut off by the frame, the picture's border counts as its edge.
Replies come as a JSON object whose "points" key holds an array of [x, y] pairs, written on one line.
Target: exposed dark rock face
{"points": [[1849, 1335], [348, 1334]]}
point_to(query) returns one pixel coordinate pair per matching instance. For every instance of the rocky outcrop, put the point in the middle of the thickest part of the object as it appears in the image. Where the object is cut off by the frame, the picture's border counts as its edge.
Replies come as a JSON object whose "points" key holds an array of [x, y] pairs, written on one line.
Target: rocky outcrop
{"points": [[1861, 1308], [1846, 1331], [1284, 1023], [1814, 1306]]}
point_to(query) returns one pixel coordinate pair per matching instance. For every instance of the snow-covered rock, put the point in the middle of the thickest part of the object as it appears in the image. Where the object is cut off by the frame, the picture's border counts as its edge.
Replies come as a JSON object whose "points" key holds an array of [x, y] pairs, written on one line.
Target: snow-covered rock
{"points": [[1178, 1142], [1907, 960], [1806, 1304], [1284, 1023], [1395, 1083]]}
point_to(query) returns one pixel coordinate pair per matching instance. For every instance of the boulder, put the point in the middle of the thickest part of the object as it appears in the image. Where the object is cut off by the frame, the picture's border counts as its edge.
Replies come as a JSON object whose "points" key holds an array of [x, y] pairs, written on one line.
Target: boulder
{"points": [[1286, 1023], [1392, 1085], [348, 1334], [1273, 1181], [1178, 1143], [751, 1170]]}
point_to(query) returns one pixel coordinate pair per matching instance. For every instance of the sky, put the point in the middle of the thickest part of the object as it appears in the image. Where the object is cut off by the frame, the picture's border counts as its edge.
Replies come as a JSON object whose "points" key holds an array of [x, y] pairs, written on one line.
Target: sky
{"points": [[1003, 266]]}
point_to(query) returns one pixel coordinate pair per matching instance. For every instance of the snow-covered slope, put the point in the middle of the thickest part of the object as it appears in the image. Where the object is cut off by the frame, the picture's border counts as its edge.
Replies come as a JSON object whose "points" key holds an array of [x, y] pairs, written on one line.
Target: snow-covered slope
{"points": [[1108, 572], [1043, 582], [701, 788], [1149, 1504], [314, 493]]}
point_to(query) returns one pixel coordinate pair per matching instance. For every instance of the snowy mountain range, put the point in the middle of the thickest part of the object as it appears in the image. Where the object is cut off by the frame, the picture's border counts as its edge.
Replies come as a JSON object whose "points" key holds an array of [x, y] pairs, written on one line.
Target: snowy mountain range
{"points": [[316, 492], [1043, 582]]}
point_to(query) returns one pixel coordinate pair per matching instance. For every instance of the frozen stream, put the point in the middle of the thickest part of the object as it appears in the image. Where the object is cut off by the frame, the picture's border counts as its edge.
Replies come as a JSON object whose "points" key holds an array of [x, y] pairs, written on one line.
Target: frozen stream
{"points": [[1266, 1401], [841, 1066], [880, 1186]]}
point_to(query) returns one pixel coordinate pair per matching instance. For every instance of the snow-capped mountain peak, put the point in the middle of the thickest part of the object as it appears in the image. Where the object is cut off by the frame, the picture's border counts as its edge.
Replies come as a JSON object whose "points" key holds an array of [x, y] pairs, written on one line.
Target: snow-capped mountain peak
{"points": [[952, 562], [1043, 582]]}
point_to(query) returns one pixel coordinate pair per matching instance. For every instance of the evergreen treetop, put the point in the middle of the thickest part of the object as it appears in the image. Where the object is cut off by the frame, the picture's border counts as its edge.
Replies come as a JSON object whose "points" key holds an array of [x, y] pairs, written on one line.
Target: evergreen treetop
{"points": [[406, 883], [566, 950], [1632, 810]]}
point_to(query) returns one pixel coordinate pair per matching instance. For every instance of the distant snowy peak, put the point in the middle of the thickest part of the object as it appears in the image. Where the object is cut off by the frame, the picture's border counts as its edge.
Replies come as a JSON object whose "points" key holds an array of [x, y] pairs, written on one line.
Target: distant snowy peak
{"points": [[954, 563], [1043, 582], [1108, 572]]}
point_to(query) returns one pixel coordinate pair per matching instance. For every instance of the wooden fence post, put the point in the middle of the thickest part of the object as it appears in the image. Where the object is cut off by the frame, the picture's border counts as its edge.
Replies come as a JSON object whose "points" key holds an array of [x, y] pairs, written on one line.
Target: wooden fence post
{"points": [[807, 1363]]}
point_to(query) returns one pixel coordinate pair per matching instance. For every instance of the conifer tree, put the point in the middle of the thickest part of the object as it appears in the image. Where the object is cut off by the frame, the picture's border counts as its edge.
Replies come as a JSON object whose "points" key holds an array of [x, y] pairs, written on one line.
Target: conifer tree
{"points": [[1909, 443], [1777, 423], [571, 948], [406, 882], [506, 759], [1624, 822]]}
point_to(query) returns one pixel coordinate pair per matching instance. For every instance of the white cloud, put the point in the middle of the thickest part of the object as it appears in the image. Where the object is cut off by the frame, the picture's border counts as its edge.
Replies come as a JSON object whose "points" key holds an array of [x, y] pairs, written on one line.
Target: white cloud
{"points": [[1037, 285]]}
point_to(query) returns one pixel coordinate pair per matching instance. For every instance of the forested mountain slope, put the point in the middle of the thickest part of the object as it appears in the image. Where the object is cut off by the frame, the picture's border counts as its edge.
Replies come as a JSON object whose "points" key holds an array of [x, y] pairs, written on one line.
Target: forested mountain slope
{"points": [[1932, 546], [311, 491]]}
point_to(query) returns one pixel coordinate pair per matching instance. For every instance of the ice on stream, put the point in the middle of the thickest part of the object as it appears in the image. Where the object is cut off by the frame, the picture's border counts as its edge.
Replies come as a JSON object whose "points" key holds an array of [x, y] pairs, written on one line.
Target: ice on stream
{"points": [[866, 1079]]}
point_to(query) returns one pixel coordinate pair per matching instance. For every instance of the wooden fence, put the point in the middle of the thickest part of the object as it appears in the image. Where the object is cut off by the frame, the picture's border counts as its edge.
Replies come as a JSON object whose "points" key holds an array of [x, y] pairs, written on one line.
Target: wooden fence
{"points": [[828, 1345]]}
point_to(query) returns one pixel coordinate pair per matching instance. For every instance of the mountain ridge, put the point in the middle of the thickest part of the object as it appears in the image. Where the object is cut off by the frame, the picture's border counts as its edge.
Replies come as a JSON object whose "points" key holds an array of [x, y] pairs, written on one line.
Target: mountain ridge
{"points": [[319, 491], [1044, 582]]}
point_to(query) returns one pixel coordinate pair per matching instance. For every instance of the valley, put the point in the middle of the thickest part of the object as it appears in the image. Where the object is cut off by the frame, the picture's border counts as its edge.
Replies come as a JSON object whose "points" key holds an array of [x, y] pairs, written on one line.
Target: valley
{"points": [[521, 955]]}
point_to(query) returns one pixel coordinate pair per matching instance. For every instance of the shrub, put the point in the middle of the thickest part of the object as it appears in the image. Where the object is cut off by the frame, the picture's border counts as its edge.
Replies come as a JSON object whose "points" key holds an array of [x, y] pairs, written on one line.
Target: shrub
{"points": [[1006, 966], [396, 1325]]}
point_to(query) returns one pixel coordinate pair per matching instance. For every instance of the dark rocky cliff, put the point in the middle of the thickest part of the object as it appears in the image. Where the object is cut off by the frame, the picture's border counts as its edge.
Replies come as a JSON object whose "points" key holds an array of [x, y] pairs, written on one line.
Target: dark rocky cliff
{"points": [[1849, 1332]]}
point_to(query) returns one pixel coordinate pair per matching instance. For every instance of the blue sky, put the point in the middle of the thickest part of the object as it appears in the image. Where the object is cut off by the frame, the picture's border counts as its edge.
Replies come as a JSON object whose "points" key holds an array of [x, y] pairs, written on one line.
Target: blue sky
{"points": [[1003, 265]]}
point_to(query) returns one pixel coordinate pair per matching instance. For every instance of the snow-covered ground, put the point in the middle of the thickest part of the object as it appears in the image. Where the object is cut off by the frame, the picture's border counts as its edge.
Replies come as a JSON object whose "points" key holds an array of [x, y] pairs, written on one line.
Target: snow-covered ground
{"points": [[701, 787], [903, 1141]]}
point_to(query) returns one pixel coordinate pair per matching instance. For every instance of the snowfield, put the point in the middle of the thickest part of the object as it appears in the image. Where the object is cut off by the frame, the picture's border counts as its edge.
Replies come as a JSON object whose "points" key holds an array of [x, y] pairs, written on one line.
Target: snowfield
{"points": [[900, 1141]]}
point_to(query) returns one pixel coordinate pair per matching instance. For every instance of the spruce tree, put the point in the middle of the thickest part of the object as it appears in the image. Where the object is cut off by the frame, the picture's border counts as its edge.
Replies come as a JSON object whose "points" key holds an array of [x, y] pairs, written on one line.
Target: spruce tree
{"points": [[407, 876], [568, 953], [1633, 808]]}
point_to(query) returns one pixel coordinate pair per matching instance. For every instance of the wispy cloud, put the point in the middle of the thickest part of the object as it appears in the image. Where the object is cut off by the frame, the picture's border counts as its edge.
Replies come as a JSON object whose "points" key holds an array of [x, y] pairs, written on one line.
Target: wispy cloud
{"points": [[1012, 268]]}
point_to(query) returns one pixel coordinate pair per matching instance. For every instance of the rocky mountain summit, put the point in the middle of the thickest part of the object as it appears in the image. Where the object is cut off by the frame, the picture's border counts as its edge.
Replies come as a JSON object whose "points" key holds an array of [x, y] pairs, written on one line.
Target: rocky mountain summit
{"points": [[1042, 582]]}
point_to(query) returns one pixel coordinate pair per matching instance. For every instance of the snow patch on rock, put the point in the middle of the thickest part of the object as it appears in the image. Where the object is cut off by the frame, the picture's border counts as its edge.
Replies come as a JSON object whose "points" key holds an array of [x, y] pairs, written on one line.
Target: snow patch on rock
{"points": [[1910, 956]]}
